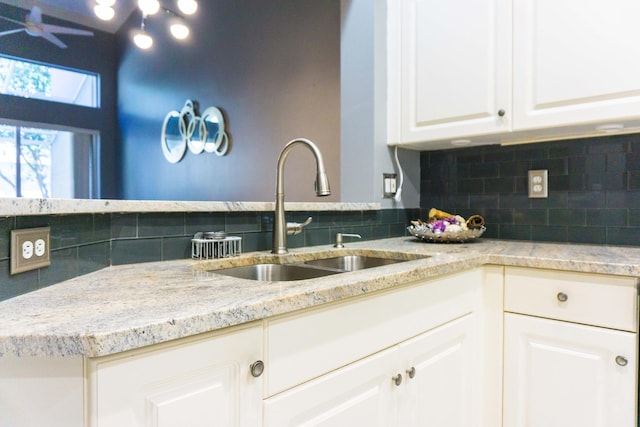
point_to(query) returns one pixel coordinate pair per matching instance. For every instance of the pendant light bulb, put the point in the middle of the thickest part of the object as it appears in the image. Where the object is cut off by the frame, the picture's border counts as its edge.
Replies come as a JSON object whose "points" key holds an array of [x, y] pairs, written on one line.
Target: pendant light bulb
{"points": [[149, 7], [188, 7], [142, 39], [179, 30], [108, 3], [104, 12]]}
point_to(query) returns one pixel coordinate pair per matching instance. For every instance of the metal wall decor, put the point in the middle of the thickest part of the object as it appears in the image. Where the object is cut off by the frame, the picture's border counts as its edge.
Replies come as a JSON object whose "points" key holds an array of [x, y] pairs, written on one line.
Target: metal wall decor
{"points": [[199, 133]]}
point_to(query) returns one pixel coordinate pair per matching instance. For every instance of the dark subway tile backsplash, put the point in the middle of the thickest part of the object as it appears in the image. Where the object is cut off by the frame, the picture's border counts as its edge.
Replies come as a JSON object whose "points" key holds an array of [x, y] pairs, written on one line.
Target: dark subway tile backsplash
{"points": [[594, 189], [84, 243]]}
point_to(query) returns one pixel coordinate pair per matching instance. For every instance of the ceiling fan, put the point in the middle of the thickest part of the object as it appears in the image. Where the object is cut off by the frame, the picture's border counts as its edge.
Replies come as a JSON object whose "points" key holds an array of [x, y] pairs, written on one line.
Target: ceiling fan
{"points": [[34, 26]]}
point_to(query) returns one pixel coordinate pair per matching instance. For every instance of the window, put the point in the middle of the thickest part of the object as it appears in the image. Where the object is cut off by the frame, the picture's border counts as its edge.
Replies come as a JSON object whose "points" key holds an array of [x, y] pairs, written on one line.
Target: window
{"points": [[28, 79], [43, 163]]}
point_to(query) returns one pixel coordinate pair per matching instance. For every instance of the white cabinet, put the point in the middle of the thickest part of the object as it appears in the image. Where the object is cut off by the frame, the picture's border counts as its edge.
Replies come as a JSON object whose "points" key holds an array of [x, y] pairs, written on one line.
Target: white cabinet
{"points": [[361, 393], [580, 370], [446, 388], [338, 365], [449, 69], [573, 62], [431, 379], [561, 374], [556, 68], [202, 381]]}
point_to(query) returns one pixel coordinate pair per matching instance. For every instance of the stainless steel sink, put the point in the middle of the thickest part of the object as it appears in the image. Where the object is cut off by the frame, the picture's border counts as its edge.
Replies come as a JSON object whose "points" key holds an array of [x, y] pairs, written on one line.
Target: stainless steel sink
{"points": [[321, 265], [353, 262], [275, 272]]}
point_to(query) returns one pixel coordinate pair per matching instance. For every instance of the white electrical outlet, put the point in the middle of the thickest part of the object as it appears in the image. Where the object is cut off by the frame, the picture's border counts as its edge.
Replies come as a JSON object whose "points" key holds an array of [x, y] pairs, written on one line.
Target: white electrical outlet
{"points": [[538, 184], [30, 249]]}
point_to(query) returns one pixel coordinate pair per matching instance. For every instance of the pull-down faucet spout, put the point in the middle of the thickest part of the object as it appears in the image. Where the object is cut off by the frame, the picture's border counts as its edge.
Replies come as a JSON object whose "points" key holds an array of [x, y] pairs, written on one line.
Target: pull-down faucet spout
{"points": [[280, 227]]}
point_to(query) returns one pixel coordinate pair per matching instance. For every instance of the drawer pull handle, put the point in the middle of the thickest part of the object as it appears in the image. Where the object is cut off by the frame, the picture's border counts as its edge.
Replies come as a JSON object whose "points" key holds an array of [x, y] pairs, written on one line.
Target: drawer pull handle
{"points": [[257, 368], [562, 297], [621, 360], [411, 372], [397, 380]]}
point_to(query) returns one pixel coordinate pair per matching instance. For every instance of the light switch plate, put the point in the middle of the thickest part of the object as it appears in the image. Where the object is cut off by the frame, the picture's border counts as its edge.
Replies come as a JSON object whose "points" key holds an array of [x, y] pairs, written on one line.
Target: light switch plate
{"points": [[389, 185], [30, 249]]}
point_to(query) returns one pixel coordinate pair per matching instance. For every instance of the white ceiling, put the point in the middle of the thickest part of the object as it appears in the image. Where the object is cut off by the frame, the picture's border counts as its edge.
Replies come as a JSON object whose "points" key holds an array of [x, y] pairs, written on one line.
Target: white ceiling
{"points": [[79, 11]]}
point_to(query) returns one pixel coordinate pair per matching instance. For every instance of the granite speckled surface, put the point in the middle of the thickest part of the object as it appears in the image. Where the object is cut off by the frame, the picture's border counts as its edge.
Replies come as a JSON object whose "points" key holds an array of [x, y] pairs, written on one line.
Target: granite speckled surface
{"points": [[10, 206], [130, 306]]}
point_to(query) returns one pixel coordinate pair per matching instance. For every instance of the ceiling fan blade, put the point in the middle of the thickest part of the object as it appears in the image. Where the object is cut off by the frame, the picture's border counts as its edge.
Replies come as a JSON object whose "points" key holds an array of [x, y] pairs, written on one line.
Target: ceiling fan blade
{"points": [[12, 20], [65, 30], [4, 33], [53, 39]]}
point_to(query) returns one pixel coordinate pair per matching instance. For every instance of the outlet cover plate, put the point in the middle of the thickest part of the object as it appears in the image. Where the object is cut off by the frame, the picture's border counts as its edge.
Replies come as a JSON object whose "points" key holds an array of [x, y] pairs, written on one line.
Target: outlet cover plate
{"points": [[538, 183], [30, 249]]}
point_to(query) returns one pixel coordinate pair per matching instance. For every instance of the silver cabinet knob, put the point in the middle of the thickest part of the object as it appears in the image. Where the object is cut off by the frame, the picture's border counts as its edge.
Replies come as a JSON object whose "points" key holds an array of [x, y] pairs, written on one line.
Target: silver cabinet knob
{"points": [[411, 372], [257, 368], [397, 380], [621, 360], [562, 297], [501, 112]]}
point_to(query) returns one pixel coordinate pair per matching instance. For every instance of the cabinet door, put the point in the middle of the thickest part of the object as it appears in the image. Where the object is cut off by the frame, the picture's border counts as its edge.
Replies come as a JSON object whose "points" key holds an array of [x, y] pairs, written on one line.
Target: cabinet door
{"points": [[573, 62], [454, 69], [560, 374], [360, 394], [197, 384], [446, 386]]}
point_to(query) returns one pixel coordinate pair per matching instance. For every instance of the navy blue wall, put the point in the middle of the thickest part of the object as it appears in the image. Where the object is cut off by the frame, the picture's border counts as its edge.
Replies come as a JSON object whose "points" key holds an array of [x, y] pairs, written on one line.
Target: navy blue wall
{"points": [[272, 67], [95, 54]]}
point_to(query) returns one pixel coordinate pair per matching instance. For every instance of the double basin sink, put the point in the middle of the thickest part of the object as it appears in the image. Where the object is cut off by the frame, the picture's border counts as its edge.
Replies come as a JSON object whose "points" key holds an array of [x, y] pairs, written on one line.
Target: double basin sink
{"points": [[319, 265]]}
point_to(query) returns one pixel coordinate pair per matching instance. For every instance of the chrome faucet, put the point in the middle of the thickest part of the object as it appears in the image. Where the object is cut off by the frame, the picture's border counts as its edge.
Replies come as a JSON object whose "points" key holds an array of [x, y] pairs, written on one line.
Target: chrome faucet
{"points": [[280, 228]]}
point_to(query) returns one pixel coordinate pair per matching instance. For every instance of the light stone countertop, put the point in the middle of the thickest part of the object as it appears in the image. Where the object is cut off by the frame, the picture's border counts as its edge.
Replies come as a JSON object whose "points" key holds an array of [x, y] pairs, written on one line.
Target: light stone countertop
{"points": [[130, 306], [12, 206]]}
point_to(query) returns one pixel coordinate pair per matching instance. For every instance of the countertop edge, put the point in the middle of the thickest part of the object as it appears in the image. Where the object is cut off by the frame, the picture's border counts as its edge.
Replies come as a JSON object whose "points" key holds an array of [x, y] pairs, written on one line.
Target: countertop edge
{"points": [[214, 302], [25, 206]]}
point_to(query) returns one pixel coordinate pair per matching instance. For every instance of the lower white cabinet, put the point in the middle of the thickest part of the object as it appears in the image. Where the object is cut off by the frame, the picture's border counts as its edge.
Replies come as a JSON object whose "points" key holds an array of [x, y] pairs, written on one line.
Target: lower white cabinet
{"points": [[561, 374], [431, 379], [570, 349], [198, 382]]}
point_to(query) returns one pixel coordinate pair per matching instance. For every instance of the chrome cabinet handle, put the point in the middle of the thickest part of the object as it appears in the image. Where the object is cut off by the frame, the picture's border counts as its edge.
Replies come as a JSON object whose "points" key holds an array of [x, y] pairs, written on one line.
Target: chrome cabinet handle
{"points": [[501, 112], [562, 297], [411, 372], [397, 380], [257, 368], [621, 360]]}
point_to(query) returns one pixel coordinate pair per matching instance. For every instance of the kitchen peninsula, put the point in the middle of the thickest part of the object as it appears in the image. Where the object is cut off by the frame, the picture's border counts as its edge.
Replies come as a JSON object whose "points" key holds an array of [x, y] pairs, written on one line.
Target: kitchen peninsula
{"points": [[310, 331]]}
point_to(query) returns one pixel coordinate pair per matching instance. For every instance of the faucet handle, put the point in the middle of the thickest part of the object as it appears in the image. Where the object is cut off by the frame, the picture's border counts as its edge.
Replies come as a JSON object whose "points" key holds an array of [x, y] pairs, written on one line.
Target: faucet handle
{"points": [[294, 228], [339, 237]]}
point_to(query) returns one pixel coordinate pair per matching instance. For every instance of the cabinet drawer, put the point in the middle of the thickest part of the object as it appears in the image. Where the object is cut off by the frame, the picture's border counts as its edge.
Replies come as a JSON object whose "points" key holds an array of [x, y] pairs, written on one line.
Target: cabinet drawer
{"points": [[304, 346], [592, 299]]}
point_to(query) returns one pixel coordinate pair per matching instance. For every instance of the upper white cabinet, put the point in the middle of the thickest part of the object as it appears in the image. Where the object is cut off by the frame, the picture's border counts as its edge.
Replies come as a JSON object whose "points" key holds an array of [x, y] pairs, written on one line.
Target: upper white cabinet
{"points": [[575, 62], [449, 68], [494, 71]]}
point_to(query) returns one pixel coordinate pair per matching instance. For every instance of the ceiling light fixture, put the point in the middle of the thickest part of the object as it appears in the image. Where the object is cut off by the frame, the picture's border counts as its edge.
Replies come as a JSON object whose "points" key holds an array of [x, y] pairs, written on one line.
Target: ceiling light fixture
{"points": [[149, 7], [141, 38], [104, 12], [176, 22], [179, 30], [188, 7]]}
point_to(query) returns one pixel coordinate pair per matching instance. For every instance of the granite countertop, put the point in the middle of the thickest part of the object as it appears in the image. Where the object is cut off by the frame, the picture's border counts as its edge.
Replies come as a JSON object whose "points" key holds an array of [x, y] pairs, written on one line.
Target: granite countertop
{"points": [[10, 206], [130, 306]]}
